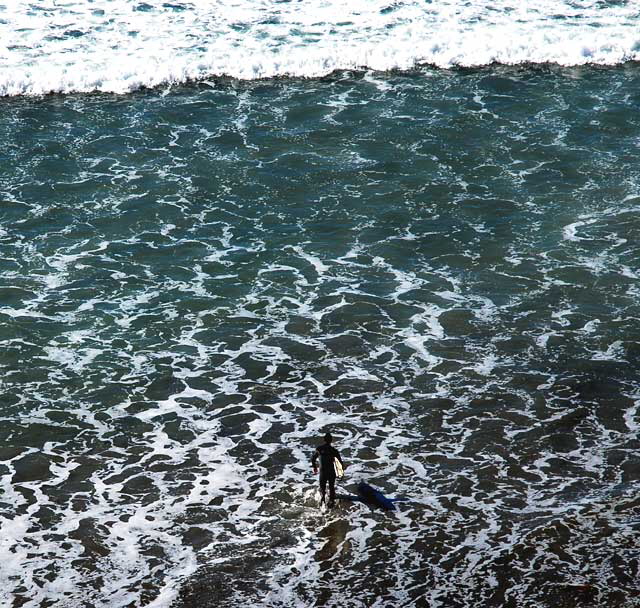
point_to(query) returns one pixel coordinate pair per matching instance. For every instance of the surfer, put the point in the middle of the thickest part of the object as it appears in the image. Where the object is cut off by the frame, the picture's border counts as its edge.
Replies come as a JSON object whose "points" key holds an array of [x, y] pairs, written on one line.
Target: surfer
{"points": [[326, 453]]}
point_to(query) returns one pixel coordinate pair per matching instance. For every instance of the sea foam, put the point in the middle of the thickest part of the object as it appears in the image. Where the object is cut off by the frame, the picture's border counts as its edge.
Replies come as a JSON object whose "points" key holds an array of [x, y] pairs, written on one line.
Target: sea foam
{"points": [[120, 46]]}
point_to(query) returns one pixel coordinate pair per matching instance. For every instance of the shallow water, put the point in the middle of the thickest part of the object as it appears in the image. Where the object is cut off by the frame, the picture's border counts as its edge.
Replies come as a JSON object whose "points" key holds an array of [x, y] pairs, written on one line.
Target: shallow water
{"points": [[439, 266]]}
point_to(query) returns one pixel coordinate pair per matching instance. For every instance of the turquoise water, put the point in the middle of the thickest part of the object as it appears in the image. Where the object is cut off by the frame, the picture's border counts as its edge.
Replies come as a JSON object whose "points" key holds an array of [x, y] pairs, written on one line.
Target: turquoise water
{"points": [[441, 267]]}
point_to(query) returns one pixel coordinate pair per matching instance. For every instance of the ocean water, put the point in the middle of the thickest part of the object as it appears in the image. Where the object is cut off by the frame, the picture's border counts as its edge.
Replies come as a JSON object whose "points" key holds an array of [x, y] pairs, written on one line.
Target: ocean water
{"points": [[226, 228]]}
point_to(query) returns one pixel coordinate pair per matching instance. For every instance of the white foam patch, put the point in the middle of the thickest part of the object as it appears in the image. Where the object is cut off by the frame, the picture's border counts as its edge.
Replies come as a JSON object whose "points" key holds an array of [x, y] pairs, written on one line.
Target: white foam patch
{"points": [[487, 365], [629, 272], [487, 311], [559, 316], [419, 345], [570, 232], [22, 312], [319, 266], [631, 416], [75, 359], [591, 327], [614, 352], [543, 339]]}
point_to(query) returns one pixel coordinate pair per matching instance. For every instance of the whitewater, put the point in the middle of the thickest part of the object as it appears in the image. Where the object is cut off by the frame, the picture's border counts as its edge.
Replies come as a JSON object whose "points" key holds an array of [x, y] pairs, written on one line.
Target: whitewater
{"points": [[121, 46]]}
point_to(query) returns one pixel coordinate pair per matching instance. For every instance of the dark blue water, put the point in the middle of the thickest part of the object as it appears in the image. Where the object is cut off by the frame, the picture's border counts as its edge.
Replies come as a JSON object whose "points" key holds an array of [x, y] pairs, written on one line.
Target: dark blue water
{"points": [[440, 267]]}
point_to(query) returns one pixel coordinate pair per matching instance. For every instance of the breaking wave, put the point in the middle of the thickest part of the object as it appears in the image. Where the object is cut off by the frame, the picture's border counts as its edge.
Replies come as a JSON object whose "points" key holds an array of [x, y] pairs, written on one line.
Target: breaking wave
{"points": [[122, 46]]}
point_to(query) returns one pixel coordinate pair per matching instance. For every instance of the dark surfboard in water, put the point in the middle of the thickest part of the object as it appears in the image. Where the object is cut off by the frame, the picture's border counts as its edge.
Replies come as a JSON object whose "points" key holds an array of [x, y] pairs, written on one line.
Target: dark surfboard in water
{"points": [[372, 496]]}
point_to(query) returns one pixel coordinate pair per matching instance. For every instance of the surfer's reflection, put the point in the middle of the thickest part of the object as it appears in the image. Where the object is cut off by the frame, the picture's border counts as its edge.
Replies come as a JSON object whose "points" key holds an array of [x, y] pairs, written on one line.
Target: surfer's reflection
{"points": [[334, 534], [331, 466]]}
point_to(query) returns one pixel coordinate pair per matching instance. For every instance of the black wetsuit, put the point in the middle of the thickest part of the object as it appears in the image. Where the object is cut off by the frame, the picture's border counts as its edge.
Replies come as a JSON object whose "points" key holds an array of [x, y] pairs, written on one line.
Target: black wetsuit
{"points": [[326, 453]]}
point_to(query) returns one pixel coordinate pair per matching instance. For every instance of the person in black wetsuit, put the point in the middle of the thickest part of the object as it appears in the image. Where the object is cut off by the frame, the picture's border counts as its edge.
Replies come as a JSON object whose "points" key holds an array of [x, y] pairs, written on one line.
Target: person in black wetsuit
{"points": [[325, 453]]}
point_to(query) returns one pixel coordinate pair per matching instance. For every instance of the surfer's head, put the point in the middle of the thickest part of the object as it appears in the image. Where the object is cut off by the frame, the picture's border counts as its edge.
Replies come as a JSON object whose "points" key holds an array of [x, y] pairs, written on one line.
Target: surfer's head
{"points": [[328, 438]]}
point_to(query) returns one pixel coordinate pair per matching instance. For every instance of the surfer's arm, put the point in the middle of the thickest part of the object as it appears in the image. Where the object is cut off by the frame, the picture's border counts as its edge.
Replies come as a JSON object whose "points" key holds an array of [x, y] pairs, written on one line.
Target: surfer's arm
{"points": [[314, 461]]}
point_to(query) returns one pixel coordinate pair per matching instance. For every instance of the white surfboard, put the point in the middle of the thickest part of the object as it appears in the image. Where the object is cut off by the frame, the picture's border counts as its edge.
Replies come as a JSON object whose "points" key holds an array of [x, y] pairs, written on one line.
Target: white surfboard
{"points": [[338, 469]]}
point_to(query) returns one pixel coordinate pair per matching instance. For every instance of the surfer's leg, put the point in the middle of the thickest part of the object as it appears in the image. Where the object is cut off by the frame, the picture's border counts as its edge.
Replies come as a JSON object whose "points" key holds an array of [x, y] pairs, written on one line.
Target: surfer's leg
{"points": [[332, 490], [323, 488]]}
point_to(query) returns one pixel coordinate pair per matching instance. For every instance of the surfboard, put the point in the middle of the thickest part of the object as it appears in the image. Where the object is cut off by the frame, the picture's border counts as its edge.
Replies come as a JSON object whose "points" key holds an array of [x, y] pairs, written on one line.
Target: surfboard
{"points": [[337, 467]]}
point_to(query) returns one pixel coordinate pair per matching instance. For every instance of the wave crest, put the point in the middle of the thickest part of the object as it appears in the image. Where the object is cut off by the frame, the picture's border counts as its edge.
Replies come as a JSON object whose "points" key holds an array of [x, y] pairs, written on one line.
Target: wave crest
{"points": [[122, 46]]}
